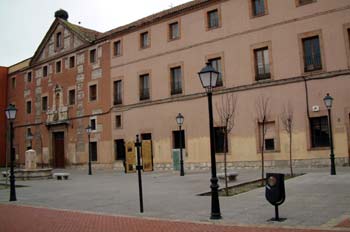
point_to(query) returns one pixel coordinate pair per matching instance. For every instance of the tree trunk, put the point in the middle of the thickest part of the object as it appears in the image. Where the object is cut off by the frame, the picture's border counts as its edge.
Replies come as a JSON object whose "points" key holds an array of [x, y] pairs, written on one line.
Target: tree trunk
{"points": [[262, 153], [290, 153], [225, 163]]}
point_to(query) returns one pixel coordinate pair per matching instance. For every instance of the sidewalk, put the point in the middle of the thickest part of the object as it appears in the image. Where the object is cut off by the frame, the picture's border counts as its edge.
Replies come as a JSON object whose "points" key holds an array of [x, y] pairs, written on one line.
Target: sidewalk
{"points": [[29, 219], [313, 200]]}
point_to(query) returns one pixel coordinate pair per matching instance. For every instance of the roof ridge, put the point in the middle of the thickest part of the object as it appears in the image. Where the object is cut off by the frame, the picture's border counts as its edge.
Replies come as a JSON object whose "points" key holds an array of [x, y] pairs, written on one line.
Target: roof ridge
{"points": [[155, 16]]}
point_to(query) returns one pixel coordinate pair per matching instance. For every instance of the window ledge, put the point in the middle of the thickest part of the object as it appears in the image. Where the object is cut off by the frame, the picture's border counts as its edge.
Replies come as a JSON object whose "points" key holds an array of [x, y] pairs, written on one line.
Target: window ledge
{"points": [[259, 16], [222, 153], [319, 148]]}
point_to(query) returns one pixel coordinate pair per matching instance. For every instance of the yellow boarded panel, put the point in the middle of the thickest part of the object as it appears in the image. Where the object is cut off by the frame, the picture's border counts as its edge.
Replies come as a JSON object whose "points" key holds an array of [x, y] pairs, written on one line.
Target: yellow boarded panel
{"points": [[147, 155], [130, 162]]}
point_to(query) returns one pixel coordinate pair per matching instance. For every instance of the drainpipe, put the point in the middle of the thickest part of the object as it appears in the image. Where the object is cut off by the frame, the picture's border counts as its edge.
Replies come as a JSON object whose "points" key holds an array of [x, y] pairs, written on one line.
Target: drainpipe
{"points": [[307, 98]]}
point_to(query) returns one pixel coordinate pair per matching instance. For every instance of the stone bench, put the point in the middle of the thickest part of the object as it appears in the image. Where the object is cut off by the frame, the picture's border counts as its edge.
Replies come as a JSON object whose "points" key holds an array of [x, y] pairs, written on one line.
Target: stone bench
{"points": [[61, 175], [4, 174], [231, 176]]}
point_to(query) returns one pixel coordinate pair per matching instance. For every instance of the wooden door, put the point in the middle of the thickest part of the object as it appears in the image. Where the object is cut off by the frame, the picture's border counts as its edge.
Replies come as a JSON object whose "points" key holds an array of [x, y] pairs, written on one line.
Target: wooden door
{"points": [[58, 145], [147, 155], [130, 162]]}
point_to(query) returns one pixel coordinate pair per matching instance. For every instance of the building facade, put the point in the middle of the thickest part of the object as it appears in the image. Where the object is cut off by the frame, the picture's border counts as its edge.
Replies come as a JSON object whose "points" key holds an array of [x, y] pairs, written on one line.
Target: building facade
{"points": [[135, 79]]}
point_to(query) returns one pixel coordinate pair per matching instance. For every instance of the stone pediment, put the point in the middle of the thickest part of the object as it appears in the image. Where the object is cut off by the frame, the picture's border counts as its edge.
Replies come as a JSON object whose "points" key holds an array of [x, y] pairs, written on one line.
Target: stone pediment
{"points": [[61, 38]]}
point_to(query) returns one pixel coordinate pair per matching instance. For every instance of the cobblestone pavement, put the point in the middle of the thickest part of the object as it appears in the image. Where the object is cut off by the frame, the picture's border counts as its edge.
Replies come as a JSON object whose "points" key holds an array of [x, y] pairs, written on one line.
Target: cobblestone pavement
{"points": [[14, 218]]}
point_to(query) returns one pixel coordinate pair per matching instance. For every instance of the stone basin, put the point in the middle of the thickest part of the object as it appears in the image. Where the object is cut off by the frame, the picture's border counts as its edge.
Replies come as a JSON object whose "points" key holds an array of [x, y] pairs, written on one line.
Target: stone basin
{"points": [[31, 174]]}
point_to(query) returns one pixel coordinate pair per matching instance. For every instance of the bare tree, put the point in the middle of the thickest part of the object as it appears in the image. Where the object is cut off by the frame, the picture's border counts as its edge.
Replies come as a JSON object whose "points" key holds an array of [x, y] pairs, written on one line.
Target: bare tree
{"points": [[262, 113], [287, 122], [226, 111]]}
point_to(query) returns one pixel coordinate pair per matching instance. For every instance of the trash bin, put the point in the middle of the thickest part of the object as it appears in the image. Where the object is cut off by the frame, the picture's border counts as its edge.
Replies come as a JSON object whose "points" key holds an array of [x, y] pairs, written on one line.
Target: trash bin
{"points": [[274, 191]]}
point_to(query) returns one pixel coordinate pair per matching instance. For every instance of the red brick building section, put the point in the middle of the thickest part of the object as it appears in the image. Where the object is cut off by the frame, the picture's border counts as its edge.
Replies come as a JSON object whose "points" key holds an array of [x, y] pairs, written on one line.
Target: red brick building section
{"points": [[3, 103]]}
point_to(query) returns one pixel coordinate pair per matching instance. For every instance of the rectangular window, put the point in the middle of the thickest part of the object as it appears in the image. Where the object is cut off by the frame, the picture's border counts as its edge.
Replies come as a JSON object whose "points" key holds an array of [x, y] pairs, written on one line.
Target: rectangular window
{"points": [[45, 71], [144, 87], [269, 144], [304, 2], [71, 62], [258, 7], [174, 31], [93, 147], [312, 54], [319, 132], [93, 124], [93, 92], [144, 40], [118, 121], [58, 66], [58, 40], [117, 89], [13, 82], [216, 64], [262, 64], [117, 48], [213, 19], [44, 103], [176, 80], [29, 107], [219, 140], [92, 56], [29, 77], [176, 139], [269, 136], [71, 97]]}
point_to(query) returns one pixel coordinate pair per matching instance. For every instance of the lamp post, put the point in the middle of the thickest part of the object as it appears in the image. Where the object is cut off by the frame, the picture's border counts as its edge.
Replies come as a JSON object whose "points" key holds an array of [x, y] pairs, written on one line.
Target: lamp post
{"points": [[328, 100], [180, 121], [11, 115], [88, 131], [208, 76]]}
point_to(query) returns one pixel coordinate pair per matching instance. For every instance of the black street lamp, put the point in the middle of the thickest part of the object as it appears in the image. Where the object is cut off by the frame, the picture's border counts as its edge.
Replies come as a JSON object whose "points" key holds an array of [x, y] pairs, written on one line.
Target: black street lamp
{"points": [[180, 121], [328, 100], [208, 76], [11, 116], [88, 131]]}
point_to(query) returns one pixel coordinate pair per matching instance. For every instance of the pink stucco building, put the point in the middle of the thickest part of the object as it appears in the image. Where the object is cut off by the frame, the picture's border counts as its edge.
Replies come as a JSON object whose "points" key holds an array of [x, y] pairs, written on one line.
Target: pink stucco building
{"points": [[136, 79]]}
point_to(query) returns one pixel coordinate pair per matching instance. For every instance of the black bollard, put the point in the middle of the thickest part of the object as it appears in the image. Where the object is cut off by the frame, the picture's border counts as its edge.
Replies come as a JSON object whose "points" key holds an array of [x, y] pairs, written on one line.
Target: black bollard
{"points": [[139, 168]]}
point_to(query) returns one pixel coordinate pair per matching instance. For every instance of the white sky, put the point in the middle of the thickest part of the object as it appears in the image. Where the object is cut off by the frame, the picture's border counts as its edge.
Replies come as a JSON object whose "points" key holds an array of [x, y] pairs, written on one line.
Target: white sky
{"points": [[24, 23]]}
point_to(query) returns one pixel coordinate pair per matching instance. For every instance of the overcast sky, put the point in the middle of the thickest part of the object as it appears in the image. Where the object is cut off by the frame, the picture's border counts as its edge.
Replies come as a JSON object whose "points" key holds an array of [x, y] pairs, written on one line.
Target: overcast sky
{"points": [[24, 23]]}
